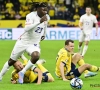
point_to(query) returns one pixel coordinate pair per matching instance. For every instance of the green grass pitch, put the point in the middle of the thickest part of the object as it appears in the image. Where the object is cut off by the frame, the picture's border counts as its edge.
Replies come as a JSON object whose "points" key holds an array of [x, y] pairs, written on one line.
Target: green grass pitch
{"points": [[49, 51]]}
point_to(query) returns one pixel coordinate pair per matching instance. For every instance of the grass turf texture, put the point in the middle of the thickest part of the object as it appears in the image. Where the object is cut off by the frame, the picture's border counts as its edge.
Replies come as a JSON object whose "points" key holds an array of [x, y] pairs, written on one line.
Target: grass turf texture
{"points": [[49, 51]]}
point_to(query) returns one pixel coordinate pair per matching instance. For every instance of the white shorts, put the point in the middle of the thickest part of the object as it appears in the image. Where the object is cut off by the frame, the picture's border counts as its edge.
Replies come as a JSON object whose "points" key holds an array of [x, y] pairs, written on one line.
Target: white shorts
{"points": [[20, 48], [84, 36]]}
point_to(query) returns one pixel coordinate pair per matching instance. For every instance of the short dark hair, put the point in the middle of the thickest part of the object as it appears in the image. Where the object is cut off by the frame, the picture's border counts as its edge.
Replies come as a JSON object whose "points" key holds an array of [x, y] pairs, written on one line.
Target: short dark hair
{"points": [[88, 7], [43, 4], [67, 41]]}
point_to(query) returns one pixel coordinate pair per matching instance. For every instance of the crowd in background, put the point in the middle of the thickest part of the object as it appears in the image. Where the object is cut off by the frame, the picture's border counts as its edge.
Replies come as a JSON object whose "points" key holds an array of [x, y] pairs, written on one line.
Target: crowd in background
{"points": [[70, 10]]}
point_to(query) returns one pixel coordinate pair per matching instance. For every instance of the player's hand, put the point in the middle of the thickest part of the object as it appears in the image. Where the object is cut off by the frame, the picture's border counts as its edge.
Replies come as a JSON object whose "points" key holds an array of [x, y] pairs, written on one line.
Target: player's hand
{"points": [[44, 18], [64, 79], [42, 38], [14, 82], [81, 28], [37, 83]]}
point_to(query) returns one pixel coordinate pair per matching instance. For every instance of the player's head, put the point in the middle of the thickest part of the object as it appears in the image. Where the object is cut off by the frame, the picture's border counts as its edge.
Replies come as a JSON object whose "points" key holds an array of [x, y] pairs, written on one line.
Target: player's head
{"points": [[69, 45], [88, 10], [18, 65], [41, 9]]}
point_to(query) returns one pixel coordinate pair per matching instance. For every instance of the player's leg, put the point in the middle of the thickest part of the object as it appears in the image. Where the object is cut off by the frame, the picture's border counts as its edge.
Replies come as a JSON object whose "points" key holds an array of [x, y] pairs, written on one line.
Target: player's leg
{"points": [[44, 70], [89, 67], [5, 68], [87, 39], [81, 39], [17, 51], [77, 59], [77, 72], [34, 52]]}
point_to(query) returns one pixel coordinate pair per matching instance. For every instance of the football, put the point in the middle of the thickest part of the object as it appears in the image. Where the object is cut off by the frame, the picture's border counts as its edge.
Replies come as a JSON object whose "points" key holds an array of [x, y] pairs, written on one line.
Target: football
{"points": [[76, 83]]}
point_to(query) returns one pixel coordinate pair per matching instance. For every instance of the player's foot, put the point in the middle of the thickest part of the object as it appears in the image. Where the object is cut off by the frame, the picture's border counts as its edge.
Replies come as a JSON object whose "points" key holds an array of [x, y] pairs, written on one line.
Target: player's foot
{"points": [[21, 76], [90, 74], [40, 61]]}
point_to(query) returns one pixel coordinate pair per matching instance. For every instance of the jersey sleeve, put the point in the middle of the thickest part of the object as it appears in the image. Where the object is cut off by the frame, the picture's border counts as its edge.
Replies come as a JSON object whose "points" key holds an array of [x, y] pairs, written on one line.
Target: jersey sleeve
{"points": [[95, 20], [30, 22]]}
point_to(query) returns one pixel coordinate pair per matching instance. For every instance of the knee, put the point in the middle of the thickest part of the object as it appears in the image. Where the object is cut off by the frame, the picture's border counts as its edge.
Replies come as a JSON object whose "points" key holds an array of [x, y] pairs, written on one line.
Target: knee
{"points": [[77, 56], [35, 56], [11, 62]]}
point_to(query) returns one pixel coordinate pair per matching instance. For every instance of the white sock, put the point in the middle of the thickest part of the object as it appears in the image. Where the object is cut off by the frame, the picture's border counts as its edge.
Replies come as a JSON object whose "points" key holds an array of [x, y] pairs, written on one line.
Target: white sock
{"points": [[4, 69], [23, 57], [84, 50], [28, 66], [80, 49]]}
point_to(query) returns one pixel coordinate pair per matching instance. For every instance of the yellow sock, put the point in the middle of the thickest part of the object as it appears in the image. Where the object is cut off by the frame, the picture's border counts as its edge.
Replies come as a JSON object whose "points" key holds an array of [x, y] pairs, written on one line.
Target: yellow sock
{"points": [[25, 62], [94, 68], [43, 69], [80, 63]]}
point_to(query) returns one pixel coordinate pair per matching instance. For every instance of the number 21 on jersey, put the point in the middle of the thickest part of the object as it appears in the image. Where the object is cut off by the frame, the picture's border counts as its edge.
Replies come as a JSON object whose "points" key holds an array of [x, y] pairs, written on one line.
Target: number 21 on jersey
{"points": [[39, 30]]}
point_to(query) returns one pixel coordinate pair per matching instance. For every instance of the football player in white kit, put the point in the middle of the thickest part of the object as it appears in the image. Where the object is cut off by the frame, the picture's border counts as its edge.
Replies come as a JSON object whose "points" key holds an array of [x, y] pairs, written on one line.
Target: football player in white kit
{"points": [[86, 24], [35, 31]]}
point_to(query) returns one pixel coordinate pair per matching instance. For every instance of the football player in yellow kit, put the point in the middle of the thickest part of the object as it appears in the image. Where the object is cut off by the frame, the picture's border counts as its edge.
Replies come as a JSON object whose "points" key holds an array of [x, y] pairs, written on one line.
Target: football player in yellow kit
{"points": [[66, 63], [35, 74]]}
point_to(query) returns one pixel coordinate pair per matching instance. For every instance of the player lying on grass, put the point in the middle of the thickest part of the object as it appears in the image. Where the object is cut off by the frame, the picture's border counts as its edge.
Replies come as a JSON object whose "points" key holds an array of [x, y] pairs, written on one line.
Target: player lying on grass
{"points": [[35, 74], [66, 63]]}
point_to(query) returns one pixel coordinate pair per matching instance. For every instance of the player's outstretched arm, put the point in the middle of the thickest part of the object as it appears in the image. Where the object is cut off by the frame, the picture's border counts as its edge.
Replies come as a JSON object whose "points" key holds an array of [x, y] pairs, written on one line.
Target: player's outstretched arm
{"points": [[62, 71], [39, 75], [96, 25]]}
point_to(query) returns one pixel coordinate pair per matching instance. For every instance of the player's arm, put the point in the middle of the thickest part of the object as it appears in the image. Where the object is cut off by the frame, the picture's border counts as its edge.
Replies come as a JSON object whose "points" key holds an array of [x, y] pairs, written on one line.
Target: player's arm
{"points": [[62, 70], [96, 25], [45, 28], [13, 81], [32, 22], [62, 65], [39, 75], [14, 77]]}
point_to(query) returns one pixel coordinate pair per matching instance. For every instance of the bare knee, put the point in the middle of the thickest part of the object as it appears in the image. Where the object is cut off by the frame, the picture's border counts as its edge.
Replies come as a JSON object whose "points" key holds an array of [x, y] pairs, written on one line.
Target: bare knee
{"points": [[77, 56], [35, 56]]}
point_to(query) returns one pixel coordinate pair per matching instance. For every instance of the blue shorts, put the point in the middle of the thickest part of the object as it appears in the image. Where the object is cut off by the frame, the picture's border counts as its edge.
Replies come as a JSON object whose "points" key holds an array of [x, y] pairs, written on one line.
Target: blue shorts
{"points": [[73, 72]]}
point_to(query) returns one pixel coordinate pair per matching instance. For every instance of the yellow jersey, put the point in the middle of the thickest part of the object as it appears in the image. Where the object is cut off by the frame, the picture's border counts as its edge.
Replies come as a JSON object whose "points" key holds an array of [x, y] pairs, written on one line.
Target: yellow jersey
{"points": [[65, 57], [29, 76]]}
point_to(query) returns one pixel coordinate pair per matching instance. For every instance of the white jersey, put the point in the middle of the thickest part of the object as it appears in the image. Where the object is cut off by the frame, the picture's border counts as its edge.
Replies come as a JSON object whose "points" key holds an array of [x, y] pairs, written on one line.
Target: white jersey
{"points": [[34, 29], [88, 22]]}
